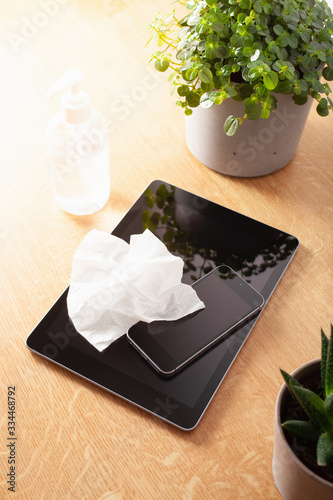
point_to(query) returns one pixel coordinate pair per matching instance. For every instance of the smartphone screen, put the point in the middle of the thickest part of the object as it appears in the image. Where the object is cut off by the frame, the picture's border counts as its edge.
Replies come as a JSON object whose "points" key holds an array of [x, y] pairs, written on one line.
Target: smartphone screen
{"points": [[170, 345]]}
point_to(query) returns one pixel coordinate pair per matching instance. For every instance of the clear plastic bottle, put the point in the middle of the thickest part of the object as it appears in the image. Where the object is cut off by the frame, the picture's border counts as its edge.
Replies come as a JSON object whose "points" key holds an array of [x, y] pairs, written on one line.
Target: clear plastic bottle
{"points": [[78, 149]]}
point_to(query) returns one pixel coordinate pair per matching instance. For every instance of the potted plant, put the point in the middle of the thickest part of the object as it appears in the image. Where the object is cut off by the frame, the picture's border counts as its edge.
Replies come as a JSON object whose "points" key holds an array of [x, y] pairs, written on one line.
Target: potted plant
{"points": [[303, 433], [246, 66]]}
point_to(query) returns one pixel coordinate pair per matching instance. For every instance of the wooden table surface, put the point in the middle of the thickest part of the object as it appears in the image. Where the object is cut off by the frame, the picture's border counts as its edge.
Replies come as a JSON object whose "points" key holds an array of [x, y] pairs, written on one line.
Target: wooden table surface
{"points": [[75, 440]]}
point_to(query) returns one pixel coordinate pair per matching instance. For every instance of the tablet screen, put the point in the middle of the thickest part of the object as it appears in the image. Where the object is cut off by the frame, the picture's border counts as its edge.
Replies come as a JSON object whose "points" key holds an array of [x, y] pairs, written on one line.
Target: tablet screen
{"points": [[205, 235]]}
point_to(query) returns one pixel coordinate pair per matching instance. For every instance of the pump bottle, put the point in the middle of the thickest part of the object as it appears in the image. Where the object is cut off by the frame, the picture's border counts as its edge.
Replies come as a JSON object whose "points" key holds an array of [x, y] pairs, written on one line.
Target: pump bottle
{"points": [[78, 150]]}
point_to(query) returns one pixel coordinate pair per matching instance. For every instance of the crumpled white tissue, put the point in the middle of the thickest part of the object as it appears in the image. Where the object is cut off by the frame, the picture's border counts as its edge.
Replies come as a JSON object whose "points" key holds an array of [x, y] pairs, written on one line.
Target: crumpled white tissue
{"points": [[115, 284]]}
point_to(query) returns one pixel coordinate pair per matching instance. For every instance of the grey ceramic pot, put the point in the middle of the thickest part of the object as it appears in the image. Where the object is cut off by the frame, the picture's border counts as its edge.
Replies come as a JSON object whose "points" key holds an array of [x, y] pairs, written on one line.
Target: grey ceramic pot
{"points": [[292, 478], [259, 147]]}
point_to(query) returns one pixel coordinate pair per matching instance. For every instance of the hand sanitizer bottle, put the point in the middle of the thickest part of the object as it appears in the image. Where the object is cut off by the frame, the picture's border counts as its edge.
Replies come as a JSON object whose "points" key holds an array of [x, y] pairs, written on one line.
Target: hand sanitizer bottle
{"points": [[78, 149]]}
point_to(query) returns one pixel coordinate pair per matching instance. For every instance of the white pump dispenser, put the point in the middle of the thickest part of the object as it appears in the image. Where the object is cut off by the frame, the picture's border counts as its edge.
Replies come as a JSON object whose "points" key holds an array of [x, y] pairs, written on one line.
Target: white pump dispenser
{"points": [[79, 149], [75, 103]]}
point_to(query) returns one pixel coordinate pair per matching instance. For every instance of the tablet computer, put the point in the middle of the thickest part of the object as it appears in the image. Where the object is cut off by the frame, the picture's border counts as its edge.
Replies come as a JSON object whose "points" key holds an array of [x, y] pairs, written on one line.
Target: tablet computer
{"points": [[205, 235]]}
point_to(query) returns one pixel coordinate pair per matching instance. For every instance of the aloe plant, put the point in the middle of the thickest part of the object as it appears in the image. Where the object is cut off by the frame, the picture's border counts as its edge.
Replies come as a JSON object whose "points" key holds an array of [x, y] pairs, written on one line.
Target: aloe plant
{"points": [[319, 428]]}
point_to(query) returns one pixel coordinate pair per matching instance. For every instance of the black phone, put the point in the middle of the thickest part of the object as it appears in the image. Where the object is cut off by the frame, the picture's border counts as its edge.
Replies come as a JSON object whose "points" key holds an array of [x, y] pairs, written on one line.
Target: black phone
{"points": [[170, 345]]}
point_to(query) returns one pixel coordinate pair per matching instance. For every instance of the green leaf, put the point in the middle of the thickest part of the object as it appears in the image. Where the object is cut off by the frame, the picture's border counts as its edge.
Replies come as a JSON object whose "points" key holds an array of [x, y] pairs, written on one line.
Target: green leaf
{"points": [[193, 99], [271, 80], [289, 74], [278, 29], [244, 4], [302, 428], [317, 86], [284, 67], [324, 349], [205, 101], [214, 96], [328, 405], [308, 62], [303, 86], [324, 35], [282, 41], [253, 74], [205, 75], [329, 365], [322, 110], [161, 65], [217, 26], [272, 47], [244, 90], [230, 90], [253, 113], [183, 90], [288, 379], [247, 52], [265, 113], [328, 73], [207, 86], [313, 406], [185, 54], [250, 102], [231, 125], [242, 30], [191, 74], [292, 41], [329, 61], [241, 17], [257, 7], [300, 99], [279, 65], [236, 40], [325, 450]]}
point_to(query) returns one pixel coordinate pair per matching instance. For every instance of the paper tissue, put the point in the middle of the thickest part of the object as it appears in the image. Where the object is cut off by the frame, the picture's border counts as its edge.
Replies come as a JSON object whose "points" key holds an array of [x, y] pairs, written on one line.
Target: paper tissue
{"points": [[115, 284]]}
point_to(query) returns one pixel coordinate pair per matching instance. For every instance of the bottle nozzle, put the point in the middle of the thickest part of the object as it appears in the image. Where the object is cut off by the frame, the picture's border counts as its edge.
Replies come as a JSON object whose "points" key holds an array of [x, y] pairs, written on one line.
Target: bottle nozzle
{"points": [[75, 103]]}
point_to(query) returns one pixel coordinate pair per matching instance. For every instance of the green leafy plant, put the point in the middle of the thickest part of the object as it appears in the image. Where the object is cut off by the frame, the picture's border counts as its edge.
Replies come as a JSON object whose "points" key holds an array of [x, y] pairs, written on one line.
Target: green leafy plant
{"points": [[247, 50], [319, 428]]}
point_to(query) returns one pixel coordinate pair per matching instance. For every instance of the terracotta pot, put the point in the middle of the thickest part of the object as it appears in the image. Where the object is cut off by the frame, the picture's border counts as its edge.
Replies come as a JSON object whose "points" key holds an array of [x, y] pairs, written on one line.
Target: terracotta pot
{"points": [[259, 147], [292, 478]]}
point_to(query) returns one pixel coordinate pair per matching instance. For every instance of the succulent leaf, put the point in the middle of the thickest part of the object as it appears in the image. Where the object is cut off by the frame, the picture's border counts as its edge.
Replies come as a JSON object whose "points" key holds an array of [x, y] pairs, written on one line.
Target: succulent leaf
{"points": [[313, 406], [302, 428], [325, 450], [329, 366], [328, 405], [324, 348], [320, 411], [288, 378]]}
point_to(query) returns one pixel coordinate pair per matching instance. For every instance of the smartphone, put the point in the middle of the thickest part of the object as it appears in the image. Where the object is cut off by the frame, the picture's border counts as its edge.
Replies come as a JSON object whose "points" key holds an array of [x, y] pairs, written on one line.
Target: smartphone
{"points": [[170, 345]]}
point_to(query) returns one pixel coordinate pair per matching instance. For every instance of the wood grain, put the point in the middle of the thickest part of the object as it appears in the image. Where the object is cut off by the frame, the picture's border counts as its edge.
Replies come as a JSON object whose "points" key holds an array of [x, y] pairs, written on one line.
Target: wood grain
{"points": [[76, 441]]}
